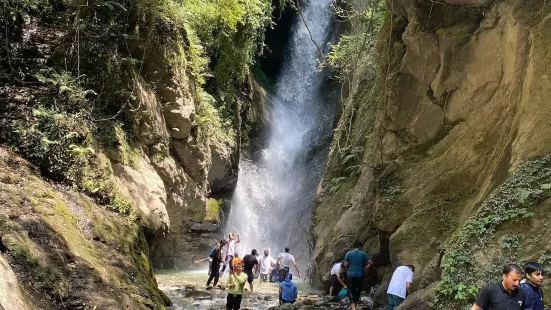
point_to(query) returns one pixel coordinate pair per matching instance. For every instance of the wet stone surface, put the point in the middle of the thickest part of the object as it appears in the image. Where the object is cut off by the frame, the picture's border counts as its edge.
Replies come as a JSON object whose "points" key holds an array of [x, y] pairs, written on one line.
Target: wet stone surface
{"points": [[187, 291]]}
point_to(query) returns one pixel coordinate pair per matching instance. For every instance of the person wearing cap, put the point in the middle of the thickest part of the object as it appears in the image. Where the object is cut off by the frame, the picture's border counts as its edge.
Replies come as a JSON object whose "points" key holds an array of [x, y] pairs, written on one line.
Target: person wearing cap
{"points": [[216, 256], [235, 284], [249, 263], [288, 290], [230, 251], [284, 261]]}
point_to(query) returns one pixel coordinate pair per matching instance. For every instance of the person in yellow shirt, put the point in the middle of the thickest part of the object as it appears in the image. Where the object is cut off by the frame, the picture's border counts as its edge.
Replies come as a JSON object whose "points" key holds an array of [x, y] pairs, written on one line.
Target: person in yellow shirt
{"points": [[236, 282]]}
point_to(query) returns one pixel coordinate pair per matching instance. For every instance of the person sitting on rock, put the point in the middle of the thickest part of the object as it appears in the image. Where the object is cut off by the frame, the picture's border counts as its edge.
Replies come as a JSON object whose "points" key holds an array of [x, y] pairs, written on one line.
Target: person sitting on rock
{"points": [[400, 286], [216, 256], [249, 263], [288, 290], [283, 263], [236, 282]]}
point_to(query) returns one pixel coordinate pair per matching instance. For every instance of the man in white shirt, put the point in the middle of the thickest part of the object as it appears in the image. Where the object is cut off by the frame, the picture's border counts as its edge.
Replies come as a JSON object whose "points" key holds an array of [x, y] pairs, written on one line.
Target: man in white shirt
{"points": [[336, 282], [284, 261], [230, 251], [400, 286], [266, 264]]}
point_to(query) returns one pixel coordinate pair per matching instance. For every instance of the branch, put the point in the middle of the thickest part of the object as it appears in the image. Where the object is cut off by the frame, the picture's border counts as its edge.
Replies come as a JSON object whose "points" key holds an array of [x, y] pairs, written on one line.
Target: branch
{"points": [[308, 28]]}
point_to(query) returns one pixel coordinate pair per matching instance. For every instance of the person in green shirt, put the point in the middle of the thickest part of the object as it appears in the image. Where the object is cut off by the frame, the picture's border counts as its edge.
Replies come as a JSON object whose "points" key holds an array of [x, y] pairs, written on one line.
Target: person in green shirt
{"points": [[236, 282]]}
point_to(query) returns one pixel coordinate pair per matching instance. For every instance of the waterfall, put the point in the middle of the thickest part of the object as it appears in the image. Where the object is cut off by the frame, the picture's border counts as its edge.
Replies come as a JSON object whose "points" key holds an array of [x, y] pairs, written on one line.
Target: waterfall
{"points": [[271, 205]]}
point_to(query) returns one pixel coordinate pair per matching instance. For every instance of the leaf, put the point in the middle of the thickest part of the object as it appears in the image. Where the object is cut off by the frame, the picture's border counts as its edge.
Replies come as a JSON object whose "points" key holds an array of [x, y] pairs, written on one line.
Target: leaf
{"points": [[113, 4], [63, 89], [545, 186]]}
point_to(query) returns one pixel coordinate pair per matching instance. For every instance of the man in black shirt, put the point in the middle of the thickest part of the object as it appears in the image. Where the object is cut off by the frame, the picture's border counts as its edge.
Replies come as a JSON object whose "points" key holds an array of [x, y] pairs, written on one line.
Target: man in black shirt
{"points": [[505, 295], [250, 262], [216, 256]]}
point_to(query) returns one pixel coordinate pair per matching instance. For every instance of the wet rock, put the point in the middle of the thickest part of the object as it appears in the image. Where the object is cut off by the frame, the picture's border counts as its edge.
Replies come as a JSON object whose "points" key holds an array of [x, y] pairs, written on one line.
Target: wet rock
{"points": [[367, 301], [268, 298], [286, 307], [199, 295]]}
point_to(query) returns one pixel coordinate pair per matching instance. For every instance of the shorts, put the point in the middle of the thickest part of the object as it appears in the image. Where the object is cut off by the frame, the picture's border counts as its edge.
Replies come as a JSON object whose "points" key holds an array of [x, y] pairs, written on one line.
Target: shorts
{"points": [[337, 286], [334, 280], [264, 277], [250, 276], [282, 273], [393, 301]]}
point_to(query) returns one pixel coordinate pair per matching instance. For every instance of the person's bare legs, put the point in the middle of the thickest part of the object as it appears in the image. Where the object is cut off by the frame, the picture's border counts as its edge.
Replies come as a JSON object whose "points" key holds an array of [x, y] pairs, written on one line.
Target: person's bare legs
{"points": [[251, 286], [331, 290]]}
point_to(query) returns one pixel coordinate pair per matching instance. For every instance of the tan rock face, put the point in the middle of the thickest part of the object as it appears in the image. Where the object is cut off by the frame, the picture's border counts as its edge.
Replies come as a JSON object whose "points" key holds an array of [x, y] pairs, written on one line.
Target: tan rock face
{"points": [[464, 105]]}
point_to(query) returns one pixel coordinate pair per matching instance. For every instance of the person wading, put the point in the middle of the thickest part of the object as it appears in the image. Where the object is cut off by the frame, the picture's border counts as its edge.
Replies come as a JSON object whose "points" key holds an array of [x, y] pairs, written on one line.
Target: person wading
{"points": [[504, 295], [249, 263], [230, 251], [358, 264], [216, 256], [284, 261], [266, 264]]}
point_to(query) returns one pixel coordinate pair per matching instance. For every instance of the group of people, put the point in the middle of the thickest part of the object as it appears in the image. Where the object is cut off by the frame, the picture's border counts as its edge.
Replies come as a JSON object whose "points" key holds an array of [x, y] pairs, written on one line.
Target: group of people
{"points": [[349, 274], [242, 270], [514, 292]]}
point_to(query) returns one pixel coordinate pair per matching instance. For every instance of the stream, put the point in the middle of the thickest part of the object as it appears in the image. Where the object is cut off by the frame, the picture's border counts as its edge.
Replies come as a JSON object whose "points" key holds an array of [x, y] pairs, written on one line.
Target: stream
{"points": [[187, 290]]}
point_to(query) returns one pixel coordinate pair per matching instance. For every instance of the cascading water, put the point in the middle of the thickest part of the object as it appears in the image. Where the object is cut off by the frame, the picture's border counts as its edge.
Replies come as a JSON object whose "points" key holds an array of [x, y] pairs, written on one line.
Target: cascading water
{"points": [[271, 205]]}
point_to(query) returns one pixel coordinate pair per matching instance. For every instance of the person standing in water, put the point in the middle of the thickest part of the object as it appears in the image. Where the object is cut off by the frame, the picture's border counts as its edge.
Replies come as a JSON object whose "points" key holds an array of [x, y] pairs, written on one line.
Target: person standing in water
{"points": [[230, 251], [216, 256], [266, 264], [284, 261], [249, 263]]}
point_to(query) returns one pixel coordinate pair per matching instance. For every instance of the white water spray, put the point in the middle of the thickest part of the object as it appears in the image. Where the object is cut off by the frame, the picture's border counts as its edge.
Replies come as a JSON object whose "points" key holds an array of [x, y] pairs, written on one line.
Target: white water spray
{"points": [[272, 202]]}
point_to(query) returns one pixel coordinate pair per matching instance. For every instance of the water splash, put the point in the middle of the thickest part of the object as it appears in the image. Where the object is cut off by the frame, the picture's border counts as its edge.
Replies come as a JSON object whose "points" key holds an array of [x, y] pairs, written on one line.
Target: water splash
{"points": [[271, 205]]}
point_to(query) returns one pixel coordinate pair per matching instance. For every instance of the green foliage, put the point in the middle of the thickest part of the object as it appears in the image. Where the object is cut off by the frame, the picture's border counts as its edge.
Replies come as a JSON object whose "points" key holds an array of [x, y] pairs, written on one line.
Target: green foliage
{"points": [[214, 209], [87, 95], [345, 55], [462, 274], [349, 159], [217, 129], [45, 278]]}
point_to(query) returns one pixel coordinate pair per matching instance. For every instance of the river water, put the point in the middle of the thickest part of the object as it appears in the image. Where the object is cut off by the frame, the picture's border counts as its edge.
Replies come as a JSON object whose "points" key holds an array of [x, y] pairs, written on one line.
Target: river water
{"points": [[272, 202]]}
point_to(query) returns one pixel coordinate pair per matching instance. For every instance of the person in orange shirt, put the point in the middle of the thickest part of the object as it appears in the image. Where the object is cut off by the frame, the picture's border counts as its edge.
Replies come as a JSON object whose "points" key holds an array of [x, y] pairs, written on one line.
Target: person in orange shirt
{"points": [[236, 260]]}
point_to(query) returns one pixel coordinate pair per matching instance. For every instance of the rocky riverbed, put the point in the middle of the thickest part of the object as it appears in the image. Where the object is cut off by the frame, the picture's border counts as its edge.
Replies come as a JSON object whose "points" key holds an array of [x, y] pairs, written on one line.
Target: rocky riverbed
{"points": [[187, 291]]}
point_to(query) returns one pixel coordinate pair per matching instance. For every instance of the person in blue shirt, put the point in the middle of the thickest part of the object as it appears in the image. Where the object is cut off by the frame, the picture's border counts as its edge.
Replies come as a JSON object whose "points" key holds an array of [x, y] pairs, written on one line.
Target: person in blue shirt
{"points": [[358, 264], [534, 273], [288, 290]]}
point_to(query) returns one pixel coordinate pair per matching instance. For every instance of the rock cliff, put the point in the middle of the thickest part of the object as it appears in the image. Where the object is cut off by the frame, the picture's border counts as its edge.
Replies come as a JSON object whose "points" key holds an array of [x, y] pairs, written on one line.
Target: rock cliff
{"points": [[120, 126], [447, 136]]}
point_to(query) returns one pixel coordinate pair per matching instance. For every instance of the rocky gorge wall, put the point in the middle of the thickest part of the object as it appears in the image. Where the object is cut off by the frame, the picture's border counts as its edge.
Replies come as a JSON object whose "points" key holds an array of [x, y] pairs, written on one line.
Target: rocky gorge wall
{"points": [[115, 159], [447, 136]]}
